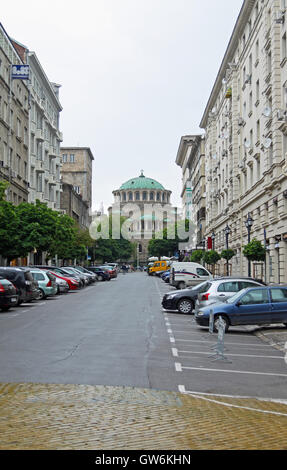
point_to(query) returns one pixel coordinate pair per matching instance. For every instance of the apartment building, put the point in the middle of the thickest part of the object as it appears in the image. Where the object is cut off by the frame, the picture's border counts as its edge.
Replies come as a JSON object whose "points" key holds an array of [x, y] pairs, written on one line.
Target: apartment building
{"points": [[76, 177], [44, 133], [191, 159], [246, 141], [14, 123]]}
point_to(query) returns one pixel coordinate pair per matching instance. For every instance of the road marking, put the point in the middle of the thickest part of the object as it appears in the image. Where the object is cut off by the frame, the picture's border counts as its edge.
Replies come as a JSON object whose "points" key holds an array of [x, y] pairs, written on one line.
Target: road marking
{"points": [[172, 340], [234, 371], [231, 344], [178, 367], [244, 397], [238, 355], [200, 396], [174, 352]]}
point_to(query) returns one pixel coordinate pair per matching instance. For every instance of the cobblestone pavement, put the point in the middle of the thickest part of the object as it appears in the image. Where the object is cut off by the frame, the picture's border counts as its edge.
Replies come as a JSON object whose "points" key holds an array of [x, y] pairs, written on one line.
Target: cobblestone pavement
{"points": [[80, 417]]}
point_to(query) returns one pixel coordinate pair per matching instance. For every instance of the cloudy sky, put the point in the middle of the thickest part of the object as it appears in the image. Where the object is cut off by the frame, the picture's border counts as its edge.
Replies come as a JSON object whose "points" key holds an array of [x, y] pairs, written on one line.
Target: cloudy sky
{"points": [[136, 75]]}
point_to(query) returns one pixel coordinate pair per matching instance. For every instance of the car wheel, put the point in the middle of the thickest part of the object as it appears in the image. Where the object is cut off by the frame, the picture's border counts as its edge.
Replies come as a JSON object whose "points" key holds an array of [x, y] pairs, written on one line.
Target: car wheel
{"points": [[285, 324], [41, 295], [185, 306], [181, 285], [5, 309], [216, 323], [100, 278]]}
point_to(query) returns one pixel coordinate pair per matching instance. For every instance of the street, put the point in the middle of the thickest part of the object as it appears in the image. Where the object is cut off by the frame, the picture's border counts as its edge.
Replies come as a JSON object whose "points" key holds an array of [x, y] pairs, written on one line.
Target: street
{"points": [[116, 333]]}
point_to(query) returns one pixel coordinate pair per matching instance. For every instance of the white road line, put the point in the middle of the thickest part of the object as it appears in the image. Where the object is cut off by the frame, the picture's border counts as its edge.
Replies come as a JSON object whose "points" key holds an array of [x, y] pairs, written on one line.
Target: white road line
{"points": [[238, 355], [178, 367], [174, 352], [245, 397], [235, 371], [231, 344], [230, 405], [172, 340], [169, 331]]}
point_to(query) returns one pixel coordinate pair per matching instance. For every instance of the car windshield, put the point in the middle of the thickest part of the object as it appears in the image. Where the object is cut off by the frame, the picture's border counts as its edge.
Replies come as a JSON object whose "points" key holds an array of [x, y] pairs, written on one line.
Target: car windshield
{"points": [[202, 287], [234, 297]]}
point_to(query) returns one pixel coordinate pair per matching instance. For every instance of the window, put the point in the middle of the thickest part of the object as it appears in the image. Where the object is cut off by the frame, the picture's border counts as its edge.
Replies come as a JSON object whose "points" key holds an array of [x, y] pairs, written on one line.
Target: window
{"points": [[64, 158], [38, 276], [72, 158], [151, 196], [279, 295], [201, 272], [130, 196], [144, 196], [245, 285], [137, 196], [254, 297], [284, 47], [228, 287]]}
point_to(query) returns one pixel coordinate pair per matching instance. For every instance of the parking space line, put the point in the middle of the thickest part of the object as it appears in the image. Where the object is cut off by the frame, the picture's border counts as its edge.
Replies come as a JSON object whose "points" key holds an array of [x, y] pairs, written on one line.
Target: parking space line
{"points": [[235, 355], [230, 344], [272, 374]]}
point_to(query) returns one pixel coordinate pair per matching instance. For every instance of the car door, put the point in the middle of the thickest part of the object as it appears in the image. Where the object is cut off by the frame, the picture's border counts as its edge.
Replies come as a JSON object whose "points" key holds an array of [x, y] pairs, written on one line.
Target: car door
{"points": [[278, 304], [254, 307], [226, 290]]}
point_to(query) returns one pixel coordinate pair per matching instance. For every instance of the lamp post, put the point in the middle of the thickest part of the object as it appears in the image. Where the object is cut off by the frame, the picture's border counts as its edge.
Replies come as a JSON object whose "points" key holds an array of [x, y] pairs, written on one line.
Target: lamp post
{"points": [[227, 232], [248, 224], [213, 240]]}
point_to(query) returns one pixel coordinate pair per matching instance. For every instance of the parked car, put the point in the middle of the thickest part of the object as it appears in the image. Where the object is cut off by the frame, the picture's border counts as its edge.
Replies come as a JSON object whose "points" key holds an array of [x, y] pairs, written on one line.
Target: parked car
{"points": [[46, 282], [111, 270], [85, 280], [114, 265], [101, 273], [27, 287], [64, 273], [253, 306], [73, 284], [184, 300], [221, 289], [8, 294], [92, 276], [62, 285], [183, 275]]}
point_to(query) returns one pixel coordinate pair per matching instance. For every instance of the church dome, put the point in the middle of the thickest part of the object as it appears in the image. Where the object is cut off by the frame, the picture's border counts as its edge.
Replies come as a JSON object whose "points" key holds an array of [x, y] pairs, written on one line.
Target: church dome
{"points": [[141, 182]]}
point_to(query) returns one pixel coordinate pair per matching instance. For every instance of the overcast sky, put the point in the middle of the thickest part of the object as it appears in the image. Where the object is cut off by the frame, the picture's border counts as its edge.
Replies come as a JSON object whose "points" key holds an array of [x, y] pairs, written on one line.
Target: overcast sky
{"points": [[136, 75]]}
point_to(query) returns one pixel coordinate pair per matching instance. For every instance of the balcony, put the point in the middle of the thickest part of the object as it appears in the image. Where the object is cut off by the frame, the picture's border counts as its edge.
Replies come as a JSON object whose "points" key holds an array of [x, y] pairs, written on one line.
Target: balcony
{"points": [[53, 152], [39, 166], [40, 135]]}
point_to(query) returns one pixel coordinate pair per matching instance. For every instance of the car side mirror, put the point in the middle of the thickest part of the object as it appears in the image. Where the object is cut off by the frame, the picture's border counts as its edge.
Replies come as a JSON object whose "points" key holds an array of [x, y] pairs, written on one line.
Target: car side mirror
{"points": [[238, 303]]}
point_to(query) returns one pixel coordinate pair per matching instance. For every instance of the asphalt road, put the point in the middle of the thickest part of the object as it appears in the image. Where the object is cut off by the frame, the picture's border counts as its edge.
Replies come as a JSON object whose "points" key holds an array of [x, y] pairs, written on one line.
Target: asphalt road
{"points": [[115, 333]]}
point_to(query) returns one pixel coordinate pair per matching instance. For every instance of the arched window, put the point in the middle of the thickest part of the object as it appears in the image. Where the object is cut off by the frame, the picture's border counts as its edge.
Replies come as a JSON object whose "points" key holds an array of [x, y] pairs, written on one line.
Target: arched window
{"points": [[137, 196], [130, 196], [151, 196], [163, 197], [158, 197], [144, 196], [124, 197]]}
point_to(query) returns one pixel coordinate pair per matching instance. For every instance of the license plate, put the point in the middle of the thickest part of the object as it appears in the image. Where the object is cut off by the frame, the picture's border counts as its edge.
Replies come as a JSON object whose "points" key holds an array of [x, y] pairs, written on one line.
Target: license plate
{"points": [[13, 299]]}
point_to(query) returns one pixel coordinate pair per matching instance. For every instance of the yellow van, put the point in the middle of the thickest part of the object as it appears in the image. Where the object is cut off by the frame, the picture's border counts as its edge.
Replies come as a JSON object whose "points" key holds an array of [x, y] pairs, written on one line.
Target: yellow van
{"points": [[158, 267]]}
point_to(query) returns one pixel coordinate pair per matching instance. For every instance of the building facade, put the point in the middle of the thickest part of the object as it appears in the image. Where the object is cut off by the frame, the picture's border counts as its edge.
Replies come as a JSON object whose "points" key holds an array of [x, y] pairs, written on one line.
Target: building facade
{"points": [[191, 159], [44, 133], [14, 124], [147, 204], [76, 177], [246, 141]]}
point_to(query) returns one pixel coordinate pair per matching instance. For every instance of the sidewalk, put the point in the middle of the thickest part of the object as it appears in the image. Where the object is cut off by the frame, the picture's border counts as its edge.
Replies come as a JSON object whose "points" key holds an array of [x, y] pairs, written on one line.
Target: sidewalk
{"points": [[275, 335], [82, 417]]}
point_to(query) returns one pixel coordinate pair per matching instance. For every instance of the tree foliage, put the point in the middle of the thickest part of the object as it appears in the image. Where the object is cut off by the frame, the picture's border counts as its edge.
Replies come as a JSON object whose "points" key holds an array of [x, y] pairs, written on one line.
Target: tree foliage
{"points": [[254, 251], [227, 254]]}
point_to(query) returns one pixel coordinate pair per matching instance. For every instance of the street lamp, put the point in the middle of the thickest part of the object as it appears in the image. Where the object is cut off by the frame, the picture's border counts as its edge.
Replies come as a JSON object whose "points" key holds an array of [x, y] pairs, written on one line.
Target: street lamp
{"points": [[213, 239], [227, 232], [248, 224]]}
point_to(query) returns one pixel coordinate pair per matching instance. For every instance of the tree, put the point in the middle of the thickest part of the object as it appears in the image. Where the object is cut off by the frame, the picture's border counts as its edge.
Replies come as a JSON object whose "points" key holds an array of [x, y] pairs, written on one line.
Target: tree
{"points": [[165, 246], [211, 257], [196, 256], [227, 254], [254, 251]]}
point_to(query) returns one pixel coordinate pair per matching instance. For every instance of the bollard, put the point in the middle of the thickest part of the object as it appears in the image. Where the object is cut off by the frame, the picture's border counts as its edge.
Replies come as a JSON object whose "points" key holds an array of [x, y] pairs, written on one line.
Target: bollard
{"points": [[219, 347], [211, 321]]}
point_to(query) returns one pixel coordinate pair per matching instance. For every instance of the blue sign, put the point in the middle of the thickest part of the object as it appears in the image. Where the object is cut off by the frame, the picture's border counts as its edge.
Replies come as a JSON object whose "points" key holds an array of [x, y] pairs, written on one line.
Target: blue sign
{"points": [[20, 72]]}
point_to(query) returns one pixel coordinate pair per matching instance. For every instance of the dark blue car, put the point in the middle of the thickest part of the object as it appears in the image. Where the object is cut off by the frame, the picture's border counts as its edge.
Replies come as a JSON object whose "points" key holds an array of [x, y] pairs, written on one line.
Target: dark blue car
{"points": [[255, 306]]}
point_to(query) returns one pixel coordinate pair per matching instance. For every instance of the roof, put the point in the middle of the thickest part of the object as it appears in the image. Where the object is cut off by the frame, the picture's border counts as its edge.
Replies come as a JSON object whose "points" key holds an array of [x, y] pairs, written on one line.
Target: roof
{"points": [[142, 182]]}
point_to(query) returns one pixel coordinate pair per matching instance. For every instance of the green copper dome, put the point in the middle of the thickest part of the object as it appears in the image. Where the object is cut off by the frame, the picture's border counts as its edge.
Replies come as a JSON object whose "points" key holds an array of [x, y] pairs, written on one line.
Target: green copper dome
{"points": [[141, 183]]}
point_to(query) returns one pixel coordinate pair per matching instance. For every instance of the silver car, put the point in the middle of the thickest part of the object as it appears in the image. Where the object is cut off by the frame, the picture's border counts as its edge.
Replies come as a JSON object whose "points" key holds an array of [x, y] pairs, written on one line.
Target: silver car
{"points": [[221, 289]]}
